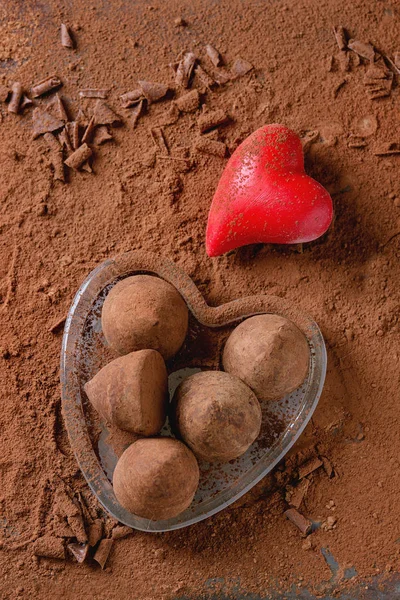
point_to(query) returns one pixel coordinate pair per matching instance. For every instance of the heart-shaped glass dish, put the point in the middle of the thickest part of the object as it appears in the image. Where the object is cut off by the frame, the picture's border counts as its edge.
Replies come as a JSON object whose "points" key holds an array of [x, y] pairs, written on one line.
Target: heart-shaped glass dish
{"points": [[84, 352]]}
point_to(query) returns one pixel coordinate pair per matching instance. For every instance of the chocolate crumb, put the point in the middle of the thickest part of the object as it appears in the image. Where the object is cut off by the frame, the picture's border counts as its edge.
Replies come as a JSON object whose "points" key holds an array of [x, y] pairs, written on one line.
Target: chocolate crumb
{"points": [[179, 22], [363, 49], [16, 95], [49, 547], [79, 157], [188, 102], [44, 122], [241, 67], [104, 115], [103, 552], [72, 129], [48, 84], [185, 69], [301, 522], [159, 140], [340, 36], [212, 119], [213, 55], [208, 146], [131, 98], [66, 38], [79, 551], [136, 113], [93, 93], [4, 93], [101, 135], [153, 91]]}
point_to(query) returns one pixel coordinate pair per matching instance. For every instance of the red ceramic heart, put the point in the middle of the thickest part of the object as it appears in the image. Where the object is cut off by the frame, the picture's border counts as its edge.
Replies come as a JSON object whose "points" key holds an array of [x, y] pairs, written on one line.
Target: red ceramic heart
{"points": [[265, 196]]}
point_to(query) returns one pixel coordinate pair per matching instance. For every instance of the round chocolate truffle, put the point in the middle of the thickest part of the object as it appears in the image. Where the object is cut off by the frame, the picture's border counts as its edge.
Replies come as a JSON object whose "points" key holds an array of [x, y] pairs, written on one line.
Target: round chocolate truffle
{"points": [[144, 312], [269, 353], [156, 478], [216, 415]]}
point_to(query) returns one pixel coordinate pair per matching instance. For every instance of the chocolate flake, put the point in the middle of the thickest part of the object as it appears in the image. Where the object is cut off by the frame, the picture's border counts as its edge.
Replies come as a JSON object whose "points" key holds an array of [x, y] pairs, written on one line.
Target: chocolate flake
{"points": [[25, 102], [4, 93], [222, 76], [104, 115], [189, 102], [95, 532], [203, 77], [72, 129], [79, 551], [241, 67], [66, 39], [389, 149], [49, 546], [58, 165], [16, 95], [103, 552], [121, 531], [93, 93], [153, 91], [79, 157], [136, 112], [363, 49], [309, 467], [185, 69], [212, 119], [59, 107], [87, 136], [299, 520], [213, 55], [208, 146], [46, 85], [101, 135], [131, 98], [44, 122], [159, 140], [340, 36]]}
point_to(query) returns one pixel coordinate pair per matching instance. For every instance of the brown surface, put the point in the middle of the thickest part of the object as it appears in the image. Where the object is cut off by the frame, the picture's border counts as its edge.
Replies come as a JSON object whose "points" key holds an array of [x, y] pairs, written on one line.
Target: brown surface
{"points": [[52, 234]]}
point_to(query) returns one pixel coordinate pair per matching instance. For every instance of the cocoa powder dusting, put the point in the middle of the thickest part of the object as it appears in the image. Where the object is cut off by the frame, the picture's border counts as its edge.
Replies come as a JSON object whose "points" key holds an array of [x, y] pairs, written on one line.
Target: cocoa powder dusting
{"points": [[329, 71]]}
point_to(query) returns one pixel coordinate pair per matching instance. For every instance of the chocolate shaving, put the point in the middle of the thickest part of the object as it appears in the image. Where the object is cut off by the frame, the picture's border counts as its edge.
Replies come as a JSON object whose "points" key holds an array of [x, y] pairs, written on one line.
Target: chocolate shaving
{"points": [[159, 140], [136, 112], [103, 552], [396, 59], [79, 551], [44, 122], [153, 91], [95, 532], [389, 149], [301, 522], [4, 93], [121, 531], [25, 102], [79, 157], [375, 71], [16, 95], [208, 146], [81, 118], [66, 39], [396, 68], [203, 77], [328, 468], [104, 115], [49, 547], [363, 49], [309, 467], [356, 141], [93, 93], [241, 67], [212, 119], [101, 135], [75, 519], [59, 107], [222, 76], [46, 85], [87, 136], [72, 129], [188, 102], [185, 70], [59, 324], [299, 493], [64, 140], [131, 98], [340, 36], [213, 55], [58, 165]]}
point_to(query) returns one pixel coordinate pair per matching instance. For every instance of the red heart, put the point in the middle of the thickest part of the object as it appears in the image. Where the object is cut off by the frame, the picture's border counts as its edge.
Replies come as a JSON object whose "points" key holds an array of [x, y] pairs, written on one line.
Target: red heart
{"points": [[265, 196]]}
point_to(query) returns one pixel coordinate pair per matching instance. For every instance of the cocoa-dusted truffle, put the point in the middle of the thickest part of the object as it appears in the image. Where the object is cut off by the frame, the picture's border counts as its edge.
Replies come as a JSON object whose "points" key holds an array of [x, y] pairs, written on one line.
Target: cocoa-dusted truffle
{"points": [[144, 312], [269, 353]]}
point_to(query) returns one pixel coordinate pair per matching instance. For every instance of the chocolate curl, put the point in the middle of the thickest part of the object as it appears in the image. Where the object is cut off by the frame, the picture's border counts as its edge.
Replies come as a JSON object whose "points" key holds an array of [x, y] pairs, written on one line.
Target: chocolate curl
{"points": [[212, 119], [131, 98], [4, 93], [101, 135], [44, 122], [153, 91], [121, 531], [56, 156], [92, 93], [103, 552], [241, 67], [72, 129], [79, 551], [188, 102], [49, 547], [46, 85], [66, 39], [89, 131], [207, 146], [95, 532], [75, 161], [16, 95], [104, 115], [185, 69], [137, 111], [213, 55], [303, 524]]}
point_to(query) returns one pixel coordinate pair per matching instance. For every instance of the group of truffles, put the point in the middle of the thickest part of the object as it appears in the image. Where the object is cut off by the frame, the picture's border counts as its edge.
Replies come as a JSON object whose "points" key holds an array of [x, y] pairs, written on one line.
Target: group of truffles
{"points": [[216, 415]]}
